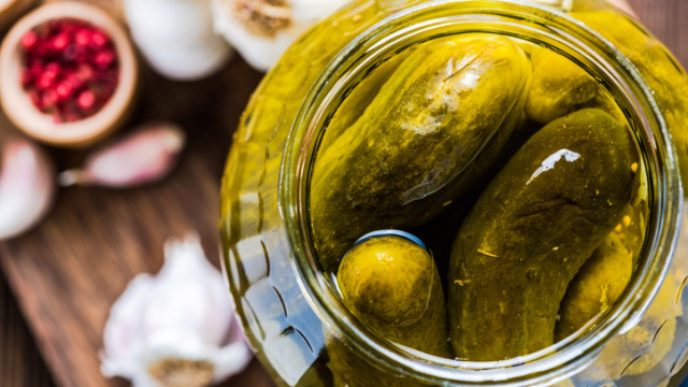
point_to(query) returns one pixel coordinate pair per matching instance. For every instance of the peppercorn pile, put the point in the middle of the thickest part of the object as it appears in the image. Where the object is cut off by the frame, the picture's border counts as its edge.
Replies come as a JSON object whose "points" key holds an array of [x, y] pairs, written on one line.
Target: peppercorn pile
{"points": [[70, 68]]}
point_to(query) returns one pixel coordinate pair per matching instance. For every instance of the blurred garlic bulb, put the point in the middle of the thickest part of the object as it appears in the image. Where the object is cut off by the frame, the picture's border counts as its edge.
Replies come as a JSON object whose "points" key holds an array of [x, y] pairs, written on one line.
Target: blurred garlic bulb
{"points": [[27, 187], [261, 30], [176, 328], [176, 37]]}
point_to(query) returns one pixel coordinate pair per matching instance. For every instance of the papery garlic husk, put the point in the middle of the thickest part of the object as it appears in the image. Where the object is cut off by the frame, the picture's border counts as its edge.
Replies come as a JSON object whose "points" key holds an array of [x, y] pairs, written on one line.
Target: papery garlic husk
{"points": [[177, 327], [261, 30], [27, 187], [176, 37], [143, 157]]}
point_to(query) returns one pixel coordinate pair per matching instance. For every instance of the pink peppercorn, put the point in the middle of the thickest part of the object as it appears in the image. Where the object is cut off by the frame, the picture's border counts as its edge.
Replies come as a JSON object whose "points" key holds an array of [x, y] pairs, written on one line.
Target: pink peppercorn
{"points": [[71, 68], [82, 37], [63, 90], [49, 98], [46, 80], [29, 40], [104, 58], [99, 40], [60, 41], [86, 100]]}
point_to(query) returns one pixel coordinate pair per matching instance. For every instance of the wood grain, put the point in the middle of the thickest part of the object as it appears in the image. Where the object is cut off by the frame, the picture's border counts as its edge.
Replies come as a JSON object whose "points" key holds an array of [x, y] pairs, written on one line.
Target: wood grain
{"points": [[20, 362], [668, 20], [67, 272]]}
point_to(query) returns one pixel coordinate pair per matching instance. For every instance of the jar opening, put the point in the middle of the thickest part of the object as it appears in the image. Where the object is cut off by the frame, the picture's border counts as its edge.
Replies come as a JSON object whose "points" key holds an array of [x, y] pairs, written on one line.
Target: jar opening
{"points": [[537, 24]]}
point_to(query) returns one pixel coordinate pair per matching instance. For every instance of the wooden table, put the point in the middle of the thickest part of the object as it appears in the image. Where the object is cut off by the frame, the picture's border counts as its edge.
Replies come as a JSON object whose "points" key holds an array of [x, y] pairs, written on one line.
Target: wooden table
{"points": [[95, 240], [113, 235]]}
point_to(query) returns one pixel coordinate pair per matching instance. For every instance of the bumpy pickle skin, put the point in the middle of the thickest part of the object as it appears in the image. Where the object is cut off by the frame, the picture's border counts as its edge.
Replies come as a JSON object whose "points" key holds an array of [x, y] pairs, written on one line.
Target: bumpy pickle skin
{"points": [[558, 87], [597, 286], [531, 231], [605, 276], [435, 126], [661, 71], [647, 344], [393, 287], [360, 97]]}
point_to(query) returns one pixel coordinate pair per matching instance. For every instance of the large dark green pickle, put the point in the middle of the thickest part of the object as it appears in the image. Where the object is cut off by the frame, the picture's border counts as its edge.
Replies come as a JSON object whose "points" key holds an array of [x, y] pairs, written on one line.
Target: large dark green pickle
{"points": [[531, 231], [435, 126], [361, 96]]}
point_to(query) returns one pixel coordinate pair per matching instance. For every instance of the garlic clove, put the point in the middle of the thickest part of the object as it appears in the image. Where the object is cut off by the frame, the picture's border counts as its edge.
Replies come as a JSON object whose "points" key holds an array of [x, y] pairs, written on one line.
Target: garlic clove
{"points": [[177, 38], [27, 187], [201, 282], [176, 327], [120, 335], [143, 157], [261, 30]]}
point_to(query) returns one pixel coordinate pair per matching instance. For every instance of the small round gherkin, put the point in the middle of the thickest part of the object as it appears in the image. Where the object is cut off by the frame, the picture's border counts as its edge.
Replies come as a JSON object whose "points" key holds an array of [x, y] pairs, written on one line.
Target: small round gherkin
{"points": [[393, 287]]}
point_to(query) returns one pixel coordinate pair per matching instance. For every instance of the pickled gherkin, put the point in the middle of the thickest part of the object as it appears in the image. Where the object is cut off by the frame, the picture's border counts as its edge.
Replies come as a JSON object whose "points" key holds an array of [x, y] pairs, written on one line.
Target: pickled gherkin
{"points": [[436, 125], [530, 232], [597, 287], [361, 96], [559, 86], [604, 277], [392, 285]]}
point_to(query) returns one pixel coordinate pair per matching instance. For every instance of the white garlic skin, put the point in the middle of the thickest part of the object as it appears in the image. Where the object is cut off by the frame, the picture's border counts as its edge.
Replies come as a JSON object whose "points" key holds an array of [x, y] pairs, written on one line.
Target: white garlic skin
{"points": [[27, 187], [143, 157], [183, 312], [176, 37], [262, 51]]}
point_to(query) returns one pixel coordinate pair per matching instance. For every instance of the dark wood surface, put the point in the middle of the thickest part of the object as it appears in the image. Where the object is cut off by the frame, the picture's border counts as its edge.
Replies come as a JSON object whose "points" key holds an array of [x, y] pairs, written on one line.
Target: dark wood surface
{"points": [[110, 236], [66, 273]]}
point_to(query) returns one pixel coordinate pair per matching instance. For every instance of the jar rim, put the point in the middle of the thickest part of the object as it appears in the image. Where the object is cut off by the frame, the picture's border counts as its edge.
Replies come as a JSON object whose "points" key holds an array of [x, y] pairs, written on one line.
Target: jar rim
{"points": [[565, 357]]}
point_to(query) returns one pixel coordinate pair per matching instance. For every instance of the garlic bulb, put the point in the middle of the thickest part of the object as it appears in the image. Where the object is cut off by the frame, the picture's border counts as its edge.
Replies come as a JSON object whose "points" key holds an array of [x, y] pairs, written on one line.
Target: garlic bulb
{"points": [[145, 156], [261, 30], [177, 327], [176, 37], [27, 187]]}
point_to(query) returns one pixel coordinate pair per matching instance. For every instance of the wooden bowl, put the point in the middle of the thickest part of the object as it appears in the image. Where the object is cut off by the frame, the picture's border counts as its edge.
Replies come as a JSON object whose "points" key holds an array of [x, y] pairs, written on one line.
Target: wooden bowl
{"points": [[26, 116]]}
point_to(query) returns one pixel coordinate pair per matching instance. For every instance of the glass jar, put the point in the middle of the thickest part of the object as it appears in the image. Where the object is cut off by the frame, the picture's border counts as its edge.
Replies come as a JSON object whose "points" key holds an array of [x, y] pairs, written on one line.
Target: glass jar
{"points": [[289, 310]]}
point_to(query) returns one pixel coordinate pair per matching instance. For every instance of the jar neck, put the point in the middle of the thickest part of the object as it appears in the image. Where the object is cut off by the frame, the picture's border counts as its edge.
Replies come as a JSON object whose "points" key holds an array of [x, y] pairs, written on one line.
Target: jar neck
{"points": [[543, 26]]}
